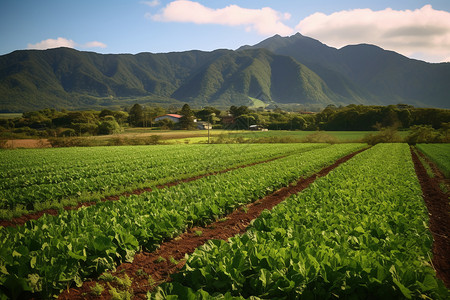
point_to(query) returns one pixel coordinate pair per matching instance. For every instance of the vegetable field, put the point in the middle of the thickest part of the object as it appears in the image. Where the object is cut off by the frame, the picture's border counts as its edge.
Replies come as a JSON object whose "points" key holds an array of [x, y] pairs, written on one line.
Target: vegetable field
{"points": [[38, 179], [439, 154], [361, 231]]}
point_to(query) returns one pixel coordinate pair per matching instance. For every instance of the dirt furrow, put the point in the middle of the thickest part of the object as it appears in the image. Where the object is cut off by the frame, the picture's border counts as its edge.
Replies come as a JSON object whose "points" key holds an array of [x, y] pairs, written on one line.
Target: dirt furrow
{"points": [[19, 221], [169, 258], [437, 203]]}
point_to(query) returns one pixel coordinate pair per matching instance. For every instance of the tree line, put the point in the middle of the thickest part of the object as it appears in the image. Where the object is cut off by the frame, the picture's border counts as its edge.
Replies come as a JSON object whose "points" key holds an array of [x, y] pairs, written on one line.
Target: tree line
{"points": [[52, 123]]}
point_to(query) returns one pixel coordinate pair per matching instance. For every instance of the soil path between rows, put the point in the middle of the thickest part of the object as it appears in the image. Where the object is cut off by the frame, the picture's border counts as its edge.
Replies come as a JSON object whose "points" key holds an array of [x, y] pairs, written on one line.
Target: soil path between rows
{"points": [[437, 203], [145, 264], [19, 221]]}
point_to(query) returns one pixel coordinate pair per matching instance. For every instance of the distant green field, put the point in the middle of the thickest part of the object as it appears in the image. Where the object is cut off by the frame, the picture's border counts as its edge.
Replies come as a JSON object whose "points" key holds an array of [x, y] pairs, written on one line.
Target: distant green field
{"points": [[257, 103], [10, 115], [341, 135]]}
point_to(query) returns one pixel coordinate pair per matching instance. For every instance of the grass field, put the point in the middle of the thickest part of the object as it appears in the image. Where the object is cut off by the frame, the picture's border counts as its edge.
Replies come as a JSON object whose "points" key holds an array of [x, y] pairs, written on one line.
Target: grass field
{"points": [[136, 136], [10, 115], [341, 135]]}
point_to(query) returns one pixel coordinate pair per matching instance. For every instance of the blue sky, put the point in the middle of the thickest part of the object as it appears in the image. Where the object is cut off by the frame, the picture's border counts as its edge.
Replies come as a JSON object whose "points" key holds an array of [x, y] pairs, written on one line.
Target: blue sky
{"points": [[415, 28]]}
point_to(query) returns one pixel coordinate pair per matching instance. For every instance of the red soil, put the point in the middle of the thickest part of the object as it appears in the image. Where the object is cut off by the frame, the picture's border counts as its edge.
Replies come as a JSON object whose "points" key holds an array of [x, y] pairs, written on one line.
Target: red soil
{"points": [[437, 203], [18, 221], [145, 264]]}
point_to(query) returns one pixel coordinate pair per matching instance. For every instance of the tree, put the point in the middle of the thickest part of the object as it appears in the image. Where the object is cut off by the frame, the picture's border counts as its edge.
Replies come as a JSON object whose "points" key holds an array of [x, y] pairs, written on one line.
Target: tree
{"points": [[187, 119], [106, 112], [244, 121], [206, 112], [136, 115], [121, 117], [239, 111], [153, 112], [109, 126], [299, 122]]}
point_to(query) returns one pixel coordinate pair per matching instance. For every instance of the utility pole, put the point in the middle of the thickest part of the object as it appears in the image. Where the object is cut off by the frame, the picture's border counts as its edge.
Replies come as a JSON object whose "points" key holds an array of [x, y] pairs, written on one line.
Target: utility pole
{"points": [[209, 122]]}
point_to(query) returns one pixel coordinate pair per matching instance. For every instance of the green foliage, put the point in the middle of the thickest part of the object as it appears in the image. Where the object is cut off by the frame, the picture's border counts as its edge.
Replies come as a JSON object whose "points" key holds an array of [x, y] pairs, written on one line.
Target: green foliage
{"points": [[117, 294], [239, 111], [427, 134], [40, 179], [187, 119], [136, 115], [97, 289], [360, 117], [52, 123], [439, 154], [108, 277], [84, 242], [124, 282], [351, 117], [173, 261], [160, 259], [330, 241], [385, 135], [206, 113], [109, 127]]}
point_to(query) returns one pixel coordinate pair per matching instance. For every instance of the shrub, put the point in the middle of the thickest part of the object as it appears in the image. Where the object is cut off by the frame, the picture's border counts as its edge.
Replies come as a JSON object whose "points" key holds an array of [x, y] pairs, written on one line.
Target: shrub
{"points": [[109, 127], [424, 134], [154, 139], [385, 135], [68, 132]]}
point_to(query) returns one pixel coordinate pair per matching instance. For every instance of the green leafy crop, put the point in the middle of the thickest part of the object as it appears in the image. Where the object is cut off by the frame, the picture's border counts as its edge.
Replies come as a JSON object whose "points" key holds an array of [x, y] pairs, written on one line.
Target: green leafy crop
{"points": [[38, 179], [358, 233], [439, 154], [77, 244]]}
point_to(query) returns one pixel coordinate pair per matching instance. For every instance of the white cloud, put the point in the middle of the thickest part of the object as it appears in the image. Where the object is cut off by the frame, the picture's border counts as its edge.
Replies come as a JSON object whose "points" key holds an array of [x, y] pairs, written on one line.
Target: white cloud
{"points": [[265, 21], [151, 3], [63, 42], [94, 44], [423, 32], [51, 43]]}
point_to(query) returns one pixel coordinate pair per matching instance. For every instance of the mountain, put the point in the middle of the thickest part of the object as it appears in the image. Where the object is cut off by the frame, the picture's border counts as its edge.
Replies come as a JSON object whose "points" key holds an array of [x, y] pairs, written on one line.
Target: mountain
{"points": [[279, 70], [233, 78], [70, 79], [368, 72]]}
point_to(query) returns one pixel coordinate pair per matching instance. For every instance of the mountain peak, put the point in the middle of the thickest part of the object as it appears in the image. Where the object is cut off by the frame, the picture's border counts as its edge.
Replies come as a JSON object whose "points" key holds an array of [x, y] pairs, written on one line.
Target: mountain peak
{"points": [[297, 35]]}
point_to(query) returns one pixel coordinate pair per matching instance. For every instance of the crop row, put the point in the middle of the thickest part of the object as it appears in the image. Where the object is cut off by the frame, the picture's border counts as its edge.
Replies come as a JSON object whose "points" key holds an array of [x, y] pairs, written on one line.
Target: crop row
{"points": [[439, 154], [54, 251], [358, 233], [83, 174]]}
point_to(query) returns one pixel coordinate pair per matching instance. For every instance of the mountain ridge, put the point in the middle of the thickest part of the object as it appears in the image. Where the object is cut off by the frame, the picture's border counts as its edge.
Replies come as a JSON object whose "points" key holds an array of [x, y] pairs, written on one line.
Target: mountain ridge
{"points": [[279, 70]]}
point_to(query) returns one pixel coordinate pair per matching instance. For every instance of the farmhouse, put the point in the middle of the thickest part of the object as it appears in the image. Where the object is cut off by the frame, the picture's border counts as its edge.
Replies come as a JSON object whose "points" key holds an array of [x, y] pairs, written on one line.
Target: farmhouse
{"points": [[203, 125], [257, 128], [172, 117]]}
